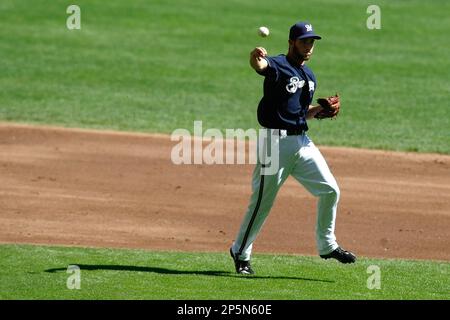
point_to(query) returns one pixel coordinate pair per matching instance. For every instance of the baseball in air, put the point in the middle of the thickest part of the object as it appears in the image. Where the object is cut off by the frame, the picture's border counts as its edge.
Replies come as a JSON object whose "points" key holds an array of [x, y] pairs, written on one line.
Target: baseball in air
{"points": [[263, 31]]}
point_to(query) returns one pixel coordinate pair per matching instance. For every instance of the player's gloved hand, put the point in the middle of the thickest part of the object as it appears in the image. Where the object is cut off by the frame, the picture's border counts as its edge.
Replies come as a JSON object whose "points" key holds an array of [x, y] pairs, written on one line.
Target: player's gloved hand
{"points": [[330, 107]]}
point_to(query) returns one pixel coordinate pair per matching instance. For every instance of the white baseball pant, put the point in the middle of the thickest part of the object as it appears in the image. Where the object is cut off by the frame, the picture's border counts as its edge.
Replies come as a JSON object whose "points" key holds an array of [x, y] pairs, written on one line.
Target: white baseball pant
{"points": [[299, 157]]}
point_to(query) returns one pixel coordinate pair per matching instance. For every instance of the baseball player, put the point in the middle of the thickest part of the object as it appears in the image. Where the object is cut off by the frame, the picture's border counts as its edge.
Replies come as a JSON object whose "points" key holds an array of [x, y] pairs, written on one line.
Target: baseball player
{"points": [[289, 87]]}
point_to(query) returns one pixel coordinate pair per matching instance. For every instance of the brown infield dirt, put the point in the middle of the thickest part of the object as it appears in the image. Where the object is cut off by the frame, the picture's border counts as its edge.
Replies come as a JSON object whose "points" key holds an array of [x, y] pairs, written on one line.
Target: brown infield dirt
{"points": [[108, 189]]}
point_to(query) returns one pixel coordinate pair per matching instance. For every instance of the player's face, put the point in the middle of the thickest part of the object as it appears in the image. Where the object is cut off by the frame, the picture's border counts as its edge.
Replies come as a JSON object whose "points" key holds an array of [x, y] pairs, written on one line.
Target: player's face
{"points": [[303, 48]]}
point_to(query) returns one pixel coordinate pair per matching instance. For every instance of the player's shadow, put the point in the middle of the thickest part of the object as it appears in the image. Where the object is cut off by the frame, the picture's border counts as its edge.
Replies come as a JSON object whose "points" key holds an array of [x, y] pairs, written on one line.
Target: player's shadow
{"points": [[187, 272]]}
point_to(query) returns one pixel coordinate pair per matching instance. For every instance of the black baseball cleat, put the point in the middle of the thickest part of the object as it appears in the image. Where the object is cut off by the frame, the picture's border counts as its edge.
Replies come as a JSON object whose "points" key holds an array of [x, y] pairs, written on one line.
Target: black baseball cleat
{"points": [[242, 267], [341, 255]]}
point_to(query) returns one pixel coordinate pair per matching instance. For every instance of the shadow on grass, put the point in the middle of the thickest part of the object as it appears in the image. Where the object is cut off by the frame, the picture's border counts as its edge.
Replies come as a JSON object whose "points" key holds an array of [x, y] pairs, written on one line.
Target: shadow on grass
{"points": [[171, 271]]}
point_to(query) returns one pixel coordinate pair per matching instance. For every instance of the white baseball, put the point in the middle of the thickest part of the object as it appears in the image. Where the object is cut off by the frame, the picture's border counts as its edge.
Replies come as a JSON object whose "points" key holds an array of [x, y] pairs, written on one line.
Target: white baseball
{"points": [[263, 31]]}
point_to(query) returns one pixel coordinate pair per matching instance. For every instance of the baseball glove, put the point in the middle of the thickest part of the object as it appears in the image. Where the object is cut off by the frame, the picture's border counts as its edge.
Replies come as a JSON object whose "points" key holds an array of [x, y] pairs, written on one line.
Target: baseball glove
{"points": [[330, 107]]}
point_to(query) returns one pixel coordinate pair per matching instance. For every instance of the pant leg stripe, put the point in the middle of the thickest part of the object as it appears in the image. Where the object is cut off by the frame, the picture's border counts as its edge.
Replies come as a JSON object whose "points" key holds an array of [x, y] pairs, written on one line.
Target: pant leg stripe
{"points": [[255, 212]]}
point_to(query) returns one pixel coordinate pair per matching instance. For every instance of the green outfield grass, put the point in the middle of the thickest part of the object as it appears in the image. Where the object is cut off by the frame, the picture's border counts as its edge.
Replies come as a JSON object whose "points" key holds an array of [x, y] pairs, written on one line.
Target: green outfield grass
{"points": [[159, 65], [40, 272]]}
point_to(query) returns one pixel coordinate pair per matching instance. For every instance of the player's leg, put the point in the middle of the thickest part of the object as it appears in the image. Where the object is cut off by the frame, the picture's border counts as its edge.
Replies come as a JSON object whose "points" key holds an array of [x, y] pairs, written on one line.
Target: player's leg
{"points": [[312, 171], [264, 190]]}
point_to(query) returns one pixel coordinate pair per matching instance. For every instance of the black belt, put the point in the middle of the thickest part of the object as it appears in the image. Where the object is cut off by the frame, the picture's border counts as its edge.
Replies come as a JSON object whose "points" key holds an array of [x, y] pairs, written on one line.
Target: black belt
{"points": [[291, 132]]}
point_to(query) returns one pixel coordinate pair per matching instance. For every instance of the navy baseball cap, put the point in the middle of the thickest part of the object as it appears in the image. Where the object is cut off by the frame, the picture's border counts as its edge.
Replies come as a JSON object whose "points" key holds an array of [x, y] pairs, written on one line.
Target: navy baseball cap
{"points": [[302, 30]]}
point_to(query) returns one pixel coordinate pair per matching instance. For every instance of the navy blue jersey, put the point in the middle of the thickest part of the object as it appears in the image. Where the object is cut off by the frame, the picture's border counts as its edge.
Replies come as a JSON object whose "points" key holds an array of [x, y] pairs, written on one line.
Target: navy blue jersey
{"points": [[288, 92]]}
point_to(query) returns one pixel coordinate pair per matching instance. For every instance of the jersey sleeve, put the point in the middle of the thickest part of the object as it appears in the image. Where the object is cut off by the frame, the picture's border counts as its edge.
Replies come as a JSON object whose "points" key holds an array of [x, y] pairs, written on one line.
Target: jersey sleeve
{"points": [[272, 69]]}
